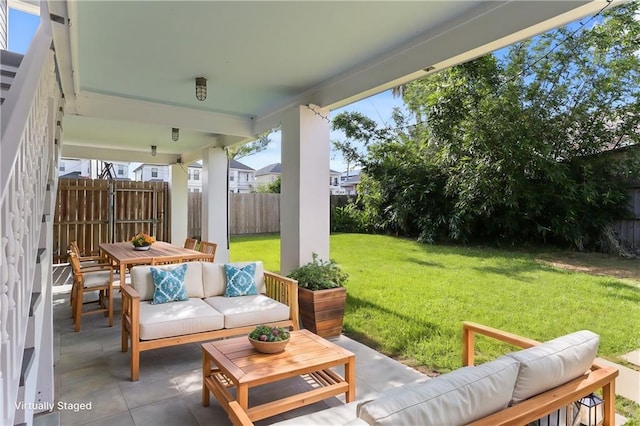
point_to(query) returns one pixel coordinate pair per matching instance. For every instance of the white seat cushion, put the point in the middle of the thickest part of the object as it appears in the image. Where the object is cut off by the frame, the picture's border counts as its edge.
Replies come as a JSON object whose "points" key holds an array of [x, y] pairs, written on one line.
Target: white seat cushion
{"points": [[455, 398], [178, 318], [553, 363], [95, 279], [248, 310]]}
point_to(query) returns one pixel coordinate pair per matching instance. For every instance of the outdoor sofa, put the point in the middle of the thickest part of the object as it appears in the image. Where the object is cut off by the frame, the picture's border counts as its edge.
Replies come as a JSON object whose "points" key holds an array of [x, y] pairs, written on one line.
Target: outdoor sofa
{"points": [[207, 314], [515, 389]]}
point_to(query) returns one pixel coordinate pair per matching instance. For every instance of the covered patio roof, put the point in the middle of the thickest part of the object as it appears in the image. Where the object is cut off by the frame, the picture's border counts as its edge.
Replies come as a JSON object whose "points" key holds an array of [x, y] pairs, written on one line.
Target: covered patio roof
{"points": [[128, 69]]}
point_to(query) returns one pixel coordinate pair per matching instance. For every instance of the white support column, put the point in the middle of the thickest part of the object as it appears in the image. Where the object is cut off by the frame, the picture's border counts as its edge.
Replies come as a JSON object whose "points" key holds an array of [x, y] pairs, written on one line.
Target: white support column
{"points": [[178, 188], [304, 202], [215, 201]]}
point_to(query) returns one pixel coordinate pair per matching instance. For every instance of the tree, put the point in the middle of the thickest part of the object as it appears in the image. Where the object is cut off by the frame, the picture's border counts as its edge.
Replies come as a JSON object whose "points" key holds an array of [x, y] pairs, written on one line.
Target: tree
{"points": [[505, 147], [273, 187], [239, 151]]}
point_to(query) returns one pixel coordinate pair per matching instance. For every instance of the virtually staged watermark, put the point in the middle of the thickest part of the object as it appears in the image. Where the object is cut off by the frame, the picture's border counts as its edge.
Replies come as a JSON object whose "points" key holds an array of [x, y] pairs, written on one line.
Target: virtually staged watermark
{"points": [[50, 406]]}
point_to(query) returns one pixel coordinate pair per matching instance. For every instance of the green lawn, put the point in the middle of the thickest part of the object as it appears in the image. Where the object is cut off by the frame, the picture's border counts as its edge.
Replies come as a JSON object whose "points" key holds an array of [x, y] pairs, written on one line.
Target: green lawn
{"points": [[408, 300]]}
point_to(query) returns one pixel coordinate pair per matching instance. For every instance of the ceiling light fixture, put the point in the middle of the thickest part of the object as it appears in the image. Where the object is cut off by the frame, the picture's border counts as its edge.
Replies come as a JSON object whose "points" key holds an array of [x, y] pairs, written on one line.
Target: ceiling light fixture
{"points": [[153, 150], [201, 88], [175, 134]]}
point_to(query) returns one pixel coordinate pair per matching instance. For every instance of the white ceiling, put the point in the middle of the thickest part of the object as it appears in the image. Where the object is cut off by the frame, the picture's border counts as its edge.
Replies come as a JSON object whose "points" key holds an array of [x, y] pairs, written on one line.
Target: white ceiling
{"points": [[128, 68]]}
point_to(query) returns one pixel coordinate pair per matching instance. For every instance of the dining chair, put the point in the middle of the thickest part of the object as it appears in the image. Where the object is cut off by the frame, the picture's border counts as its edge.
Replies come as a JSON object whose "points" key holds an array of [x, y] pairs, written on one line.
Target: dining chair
{"points": [[88, 279], [190, 243], [86, 260], [208, 248]]}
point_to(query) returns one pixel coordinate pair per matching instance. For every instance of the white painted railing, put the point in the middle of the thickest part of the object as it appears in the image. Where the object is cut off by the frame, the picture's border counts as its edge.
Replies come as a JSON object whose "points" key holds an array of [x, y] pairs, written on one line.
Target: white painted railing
{"points": [[28, 153]]}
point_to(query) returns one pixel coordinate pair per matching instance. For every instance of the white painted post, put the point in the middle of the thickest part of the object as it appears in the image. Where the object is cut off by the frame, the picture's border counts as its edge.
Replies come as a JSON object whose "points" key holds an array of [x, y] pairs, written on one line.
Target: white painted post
{"points": [[304, 199], [215, 201], [178, 188]]}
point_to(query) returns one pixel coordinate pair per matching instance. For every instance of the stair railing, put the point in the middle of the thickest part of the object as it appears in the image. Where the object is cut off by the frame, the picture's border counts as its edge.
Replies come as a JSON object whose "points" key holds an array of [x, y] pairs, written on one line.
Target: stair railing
{"points": [[28, 132]]}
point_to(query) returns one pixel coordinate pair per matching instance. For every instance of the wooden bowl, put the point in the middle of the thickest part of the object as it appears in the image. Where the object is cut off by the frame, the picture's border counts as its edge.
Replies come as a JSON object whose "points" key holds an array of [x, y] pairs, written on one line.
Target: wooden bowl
{"points": [[269, 347]]}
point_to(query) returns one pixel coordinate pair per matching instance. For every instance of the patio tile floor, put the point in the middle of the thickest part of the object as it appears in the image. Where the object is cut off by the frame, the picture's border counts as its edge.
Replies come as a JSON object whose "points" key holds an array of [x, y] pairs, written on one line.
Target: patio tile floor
{"points": [[89, 367]]}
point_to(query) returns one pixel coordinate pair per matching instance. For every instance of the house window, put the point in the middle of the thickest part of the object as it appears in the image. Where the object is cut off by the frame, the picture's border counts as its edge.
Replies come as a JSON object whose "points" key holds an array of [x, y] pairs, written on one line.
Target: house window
{"points": [[196, 175], [120, 170], [231, 178], [62, 167], [246, 177], [154, 172]]}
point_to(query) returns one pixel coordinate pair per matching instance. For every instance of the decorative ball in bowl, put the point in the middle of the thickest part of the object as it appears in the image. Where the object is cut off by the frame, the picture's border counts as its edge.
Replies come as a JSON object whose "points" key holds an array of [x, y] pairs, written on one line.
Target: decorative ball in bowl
{"points": [[269, 340]]}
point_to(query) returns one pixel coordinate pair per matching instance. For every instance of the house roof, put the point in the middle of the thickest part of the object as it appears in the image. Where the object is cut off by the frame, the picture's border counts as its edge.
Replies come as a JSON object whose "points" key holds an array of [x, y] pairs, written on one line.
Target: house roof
{"points": [[275, 168], [234, 164]]}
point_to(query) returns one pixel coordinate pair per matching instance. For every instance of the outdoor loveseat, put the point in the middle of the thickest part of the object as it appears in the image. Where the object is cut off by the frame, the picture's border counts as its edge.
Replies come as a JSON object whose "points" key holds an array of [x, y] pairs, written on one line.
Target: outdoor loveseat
{"points": [[515, 389], [207, 314]]}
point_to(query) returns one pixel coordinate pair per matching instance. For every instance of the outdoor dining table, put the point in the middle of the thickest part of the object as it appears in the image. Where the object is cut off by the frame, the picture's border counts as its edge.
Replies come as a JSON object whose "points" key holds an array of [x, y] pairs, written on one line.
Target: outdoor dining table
{"points": [[126, 256]]}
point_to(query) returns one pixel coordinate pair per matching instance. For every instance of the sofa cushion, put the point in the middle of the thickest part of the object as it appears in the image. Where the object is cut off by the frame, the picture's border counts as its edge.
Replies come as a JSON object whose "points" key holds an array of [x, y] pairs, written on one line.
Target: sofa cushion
{"points": [[455, 398], [553, 363], [169, 285], [240, 281], [215, 279], [142, 280], [177, 319], [248, 310]]}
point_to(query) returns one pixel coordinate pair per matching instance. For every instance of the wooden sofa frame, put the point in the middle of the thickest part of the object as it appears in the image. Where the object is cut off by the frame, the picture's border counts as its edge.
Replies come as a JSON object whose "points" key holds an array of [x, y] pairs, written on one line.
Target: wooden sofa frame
{"points": [[599, 377], [280, 288]]}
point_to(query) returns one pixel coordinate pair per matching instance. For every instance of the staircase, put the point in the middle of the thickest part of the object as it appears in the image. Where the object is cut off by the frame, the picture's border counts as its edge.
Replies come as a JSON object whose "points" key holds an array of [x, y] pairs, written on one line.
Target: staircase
{"points": [[9, 63], [31, 109]]}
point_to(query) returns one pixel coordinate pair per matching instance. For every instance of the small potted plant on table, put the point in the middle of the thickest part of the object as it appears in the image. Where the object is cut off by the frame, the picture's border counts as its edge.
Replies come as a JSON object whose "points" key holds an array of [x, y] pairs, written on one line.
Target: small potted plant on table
{"points": [[321, 296], [142, 241]]}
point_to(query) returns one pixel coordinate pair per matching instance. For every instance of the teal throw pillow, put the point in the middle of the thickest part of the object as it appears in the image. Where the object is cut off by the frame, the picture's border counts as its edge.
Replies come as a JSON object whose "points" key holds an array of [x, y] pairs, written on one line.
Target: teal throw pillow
{"points": [[240, 281], [169, 285]]}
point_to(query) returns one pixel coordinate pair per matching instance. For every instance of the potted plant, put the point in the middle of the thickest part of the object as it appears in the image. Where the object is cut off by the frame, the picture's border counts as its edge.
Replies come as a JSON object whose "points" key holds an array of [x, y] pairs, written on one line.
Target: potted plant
{"points": [[269, 340], [321, 296], [142, 241]]}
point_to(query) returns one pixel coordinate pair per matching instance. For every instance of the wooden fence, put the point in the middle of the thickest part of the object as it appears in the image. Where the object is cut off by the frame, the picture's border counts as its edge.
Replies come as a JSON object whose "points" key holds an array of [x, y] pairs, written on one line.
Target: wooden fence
{"points": [[248, 213], [96, 211], [629, 228]]}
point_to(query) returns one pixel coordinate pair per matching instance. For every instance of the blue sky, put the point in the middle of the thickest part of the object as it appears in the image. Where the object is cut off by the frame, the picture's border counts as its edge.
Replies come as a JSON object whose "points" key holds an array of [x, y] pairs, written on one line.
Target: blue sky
{"points": [[22, 27]]}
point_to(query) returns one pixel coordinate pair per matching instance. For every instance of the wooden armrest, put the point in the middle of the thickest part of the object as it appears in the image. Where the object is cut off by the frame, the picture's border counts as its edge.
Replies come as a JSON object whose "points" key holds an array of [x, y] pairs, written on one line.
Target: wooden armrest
{"points": [[552, 400], [470, 329], [129, 292], [284, 290], [237, 415]]}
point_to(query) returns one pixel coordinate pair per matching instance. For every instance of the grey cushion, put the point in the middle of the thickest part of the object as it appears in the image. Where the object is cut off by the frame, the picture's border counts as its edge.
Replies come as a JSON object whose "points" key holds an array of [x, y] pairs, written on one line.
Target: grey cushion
{"points": [[456, 398], [178, 318], [553, 363], [248, 310]]}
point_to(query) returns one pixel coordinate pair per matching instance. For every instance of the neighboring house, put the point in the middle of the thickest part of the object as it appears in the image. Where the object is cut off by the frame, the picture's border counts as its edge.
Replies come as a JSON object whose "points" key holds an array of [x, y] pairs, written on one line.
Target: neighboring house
{"points": [[349, 181], [334, 183], [241, 176], [268, 174], [151, 172], [91, 169]]}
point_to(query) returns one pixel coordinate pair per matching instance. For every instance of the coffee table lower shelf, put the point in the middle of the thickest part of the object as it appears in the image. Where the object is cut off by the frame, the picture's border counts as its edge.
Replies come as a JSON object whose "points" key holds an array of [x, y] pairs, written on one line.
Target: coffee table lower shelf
{"points": [[330, 383]]}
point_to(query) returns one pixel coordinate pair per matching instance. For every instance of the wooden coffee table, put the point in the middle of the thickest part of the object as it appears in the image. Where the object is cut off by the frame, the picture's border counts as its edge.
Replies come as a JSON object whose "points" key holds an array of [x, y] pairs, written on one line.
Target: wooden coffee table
{"points": [[234, 363]]}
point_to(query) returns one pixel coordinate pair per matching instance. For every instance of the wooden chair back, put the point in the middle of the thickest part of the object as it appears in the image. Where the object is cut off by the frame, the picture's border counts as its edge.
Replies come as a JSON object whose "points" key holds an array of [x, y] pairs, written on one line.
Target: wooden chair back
{"points": [[208, 248], [190, 243]]}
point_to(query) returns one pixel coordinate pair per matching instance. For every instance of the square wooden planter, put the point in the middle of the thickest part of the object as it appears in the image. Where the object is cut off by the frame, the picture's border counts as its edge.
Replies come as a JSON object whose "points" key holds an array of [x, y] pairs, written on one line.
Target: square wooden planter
{"points": [[322, 311]]}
